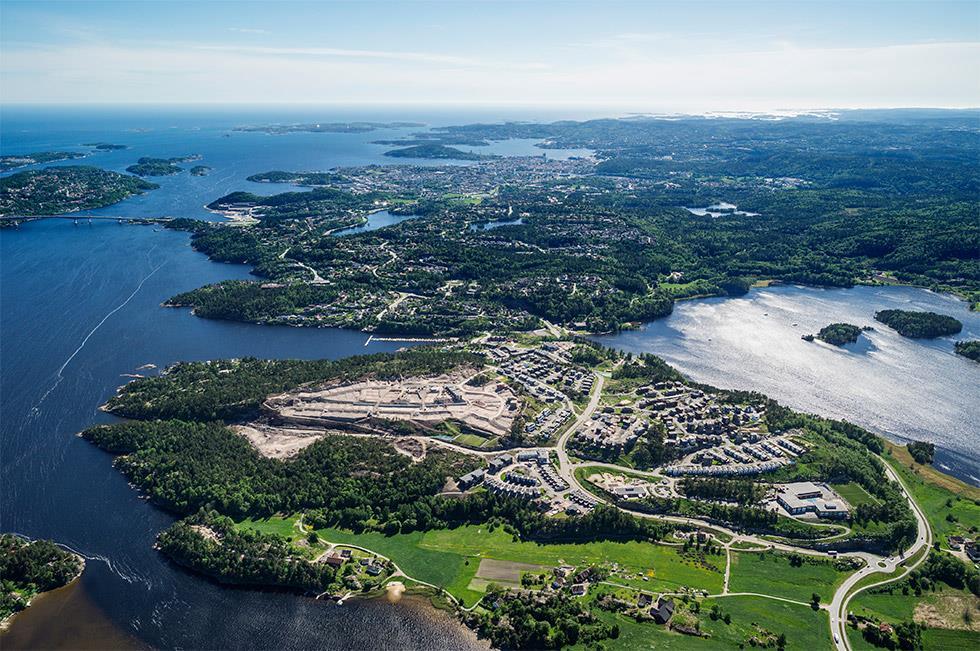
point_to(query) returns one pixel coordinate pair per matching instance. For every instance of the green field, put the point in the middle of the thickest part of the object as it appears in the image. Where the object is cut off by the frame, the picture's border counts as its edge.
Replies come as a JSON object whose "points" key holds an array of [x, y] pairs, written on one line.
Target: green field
{"points": [[939, 504], [805, 629], [854, 494], [662, 565], [470, 440], [449, 558], [285, 527], [772, 574]]}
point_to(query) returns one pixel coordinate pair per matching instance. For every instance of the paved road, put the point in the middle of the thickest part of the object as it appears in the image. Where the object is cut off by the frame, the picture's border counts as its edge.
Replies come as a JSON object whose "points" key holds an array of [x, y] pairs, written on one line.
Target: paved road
{"points": [[565, 467], [838, 607]]}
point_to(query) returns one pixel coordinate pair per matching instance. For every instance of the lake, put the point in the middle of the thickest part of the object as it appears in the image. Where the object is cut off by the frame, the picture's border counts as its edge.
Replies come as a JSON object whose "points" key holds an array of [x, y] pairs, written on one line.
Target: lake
{"points": [[898, 387]]}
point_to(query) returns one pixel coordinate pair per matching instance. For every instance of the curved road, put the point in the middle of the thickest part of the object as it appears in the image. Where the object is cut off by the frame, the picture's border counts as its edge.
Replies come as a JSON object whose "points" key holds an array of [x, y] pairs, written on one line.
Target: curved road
{"points": [[838, 607]]}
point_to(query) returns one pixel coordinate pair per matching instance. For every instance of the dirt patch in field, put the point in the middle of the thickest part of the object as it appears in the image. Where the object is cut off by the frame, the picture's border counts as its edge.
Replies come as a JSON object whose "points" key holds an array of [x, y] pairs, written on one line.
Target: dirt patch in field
{"points": [[509, 571], [949, 611]]}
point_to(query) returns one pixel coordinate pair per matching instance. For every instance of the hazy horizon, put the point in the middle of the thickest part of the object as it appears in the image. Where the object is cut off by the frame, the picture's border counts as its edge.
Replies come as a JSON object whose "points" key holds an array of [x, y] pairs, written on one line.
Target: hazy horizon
{"points": [[664, 57]]}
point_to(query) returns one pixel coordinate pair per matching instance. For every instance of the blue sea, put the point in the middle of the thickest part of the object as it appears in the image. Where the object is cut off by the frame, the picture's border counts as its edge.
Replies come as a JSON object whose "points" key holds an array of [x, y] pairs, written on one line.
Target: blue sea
{"points": [[80, 314]]}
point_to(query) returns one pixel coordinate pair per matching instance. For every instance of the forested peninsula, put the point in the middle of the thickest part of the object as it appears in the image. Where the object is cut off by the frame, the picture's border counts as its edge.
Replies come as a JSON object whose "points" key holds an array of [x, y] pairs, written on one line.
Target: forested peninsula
{"points": [[28, 568]]}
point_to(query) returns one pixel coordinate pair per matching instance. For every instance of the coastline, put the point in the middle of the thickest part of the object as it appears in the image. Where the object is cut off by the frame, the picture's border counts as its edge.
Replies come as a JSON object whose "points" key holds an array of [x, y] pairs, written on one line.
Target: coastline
{"points": [[7, 622]]}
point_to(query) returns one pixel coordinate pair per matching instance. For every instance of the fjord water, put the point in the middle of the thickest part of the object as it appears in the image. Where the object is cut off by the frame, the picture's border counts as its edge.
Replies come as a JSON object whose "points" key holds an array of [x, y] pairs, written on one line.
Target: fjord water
{"points": [[80, 309], [905, 389], [79, 313]]}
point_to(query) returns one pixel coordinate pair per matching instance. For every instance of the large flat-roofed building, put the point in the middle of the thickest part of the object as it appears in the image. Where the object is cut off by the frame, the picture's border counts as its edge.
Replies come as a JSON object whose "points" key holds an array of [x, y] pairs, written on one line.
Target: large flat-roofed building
{"points": [[807, 497]]}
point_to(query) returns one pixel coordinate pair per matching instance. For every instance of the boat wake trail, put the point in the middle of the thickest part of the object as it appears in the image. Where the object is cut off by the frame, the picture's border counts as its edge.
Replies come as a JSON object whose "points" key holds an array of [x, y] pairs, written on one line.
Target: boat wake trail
{"points": [[59, 375], [121, 570]]}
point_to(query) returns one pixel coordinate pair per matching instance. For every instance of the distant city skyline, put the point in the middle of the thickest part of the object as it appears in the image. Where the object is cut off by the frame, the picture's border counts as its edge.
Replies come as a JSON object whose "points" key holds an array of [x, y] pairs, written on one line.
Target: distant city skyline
{"points": [[650, 56]]}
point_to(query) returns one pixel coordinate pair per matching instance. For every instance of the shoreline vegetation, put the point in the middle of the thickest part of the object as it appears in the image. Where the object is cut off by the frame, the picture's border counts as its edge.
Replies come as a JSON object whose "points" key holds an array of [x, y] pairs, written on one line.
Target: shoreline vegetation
{"points": [[29, 569]]}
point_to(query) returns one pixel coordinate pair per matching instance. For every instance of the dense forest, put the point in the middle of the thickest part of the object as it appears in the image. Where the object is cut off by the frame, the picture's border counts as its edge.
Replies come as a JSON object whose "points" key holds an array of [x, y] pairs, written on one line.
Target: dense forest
{"points": [[548, 621], [234, 389], [28, 568], [919, 325]]}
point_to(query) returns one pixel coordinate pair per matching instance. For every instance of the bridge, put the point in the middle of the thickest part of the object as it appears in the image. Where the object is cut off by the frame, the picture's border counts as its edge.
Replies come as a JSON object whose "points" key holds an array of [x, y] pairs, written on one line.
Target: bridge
{"points": [[77, 218]]}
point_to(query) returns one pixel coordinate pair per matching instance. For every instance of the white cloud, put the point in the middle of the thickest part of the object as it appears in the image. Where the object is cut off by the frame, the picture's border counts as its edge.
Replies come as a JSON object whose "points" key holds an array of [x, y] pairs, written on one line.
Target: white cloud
{"points": [[925, 74], [339, 52], [248, 30]]}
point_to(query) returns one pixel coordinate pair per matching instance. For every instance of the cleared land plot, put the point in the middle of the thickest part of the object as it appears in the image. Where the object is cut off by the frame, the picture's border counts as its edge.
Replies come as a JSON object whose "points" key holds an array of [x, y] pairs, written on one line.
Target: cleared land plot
{"points": [[772, 574], [509, 571], [427, 402], [277, 442]]}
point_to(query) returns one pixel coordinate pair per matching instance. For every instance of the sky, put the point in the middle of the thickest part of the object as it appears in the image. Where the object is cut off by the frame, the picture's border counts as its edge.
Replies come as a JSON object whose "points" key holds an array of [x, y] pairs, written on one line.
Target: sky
{"points": [[643, 56]]}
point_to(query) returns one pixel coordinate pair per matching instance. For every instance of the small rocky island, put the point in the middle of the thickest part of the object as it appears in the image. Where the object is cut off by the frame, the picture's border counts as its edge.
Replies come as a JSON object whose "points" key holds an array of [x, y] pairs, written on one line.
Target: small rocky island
{"points": [[837, 334], [200, 170], [28, 568], [919, 325], [148, 166], [969, 349], [105, 146]]}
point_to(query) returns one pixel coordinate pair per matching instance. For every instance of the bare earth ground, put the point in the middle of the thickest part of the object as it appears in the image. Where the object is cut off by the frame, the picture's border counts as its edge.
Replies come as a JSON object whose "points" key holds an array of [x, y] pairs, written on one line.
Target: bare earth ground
{"points": [[276, 442], [425, 401], [946, 611], [509, 571]]}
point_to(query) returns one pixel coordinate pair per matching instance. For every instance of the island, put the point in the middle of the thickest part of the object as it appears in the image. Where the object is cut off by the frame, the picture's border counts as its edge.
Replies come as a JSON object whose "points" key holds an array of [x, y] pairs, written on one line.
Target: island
{"points": [[200, 170], [9, 162], [919, 325], [29, 568], [328, 127], [837, 334], [105, 146], [434, 151], [57, 190], [148, 166], [968, 349], [296, 178]]}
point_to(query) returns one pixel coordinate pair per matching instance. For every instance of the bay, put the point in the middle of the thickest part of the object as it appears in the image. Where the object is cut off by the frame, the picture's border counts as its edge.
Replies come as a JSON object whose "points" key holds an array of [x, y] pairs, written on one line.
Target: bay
{"points": [[905, 389]]}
